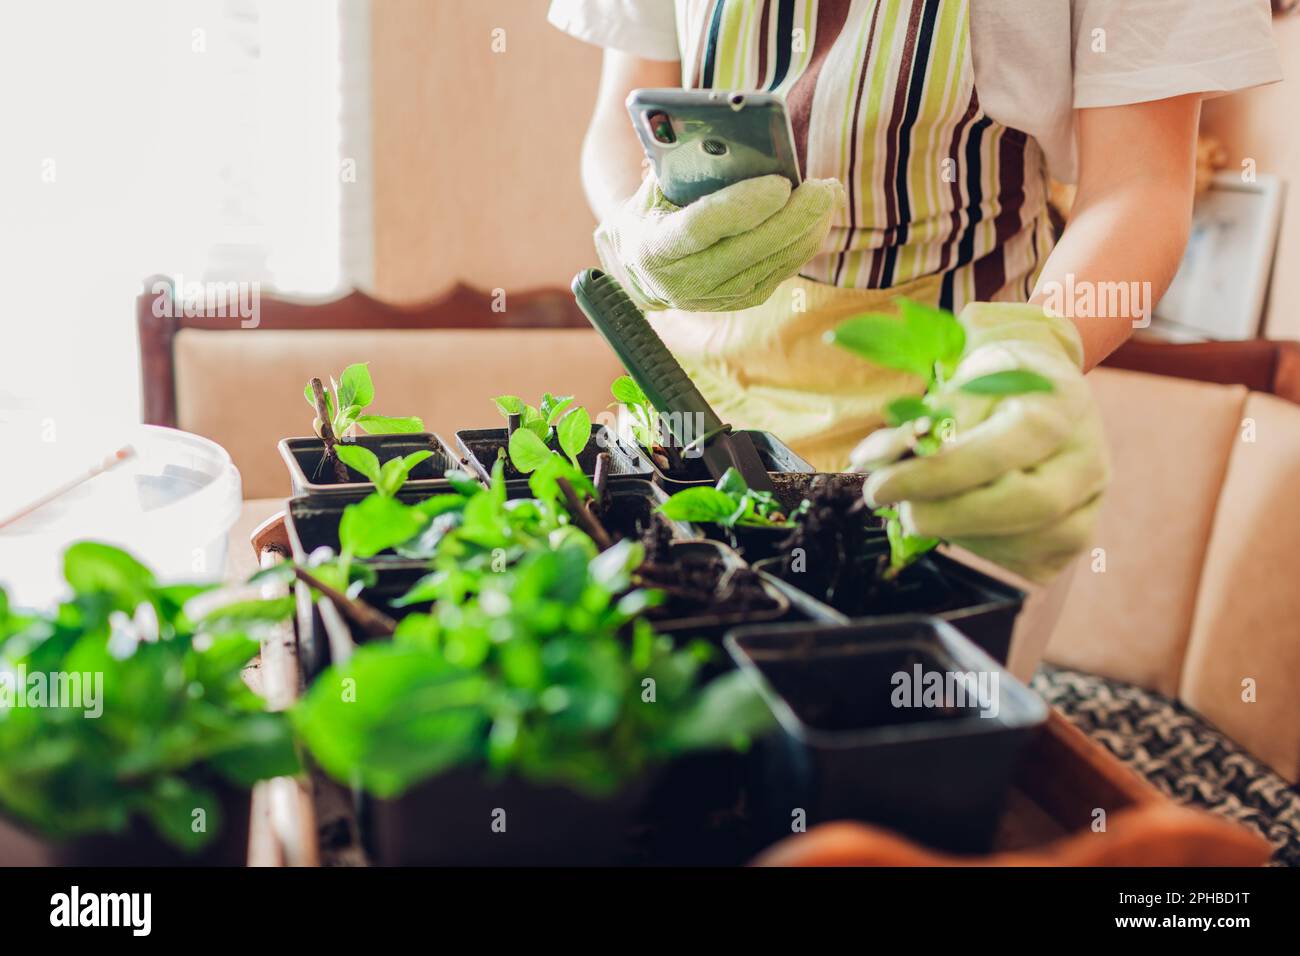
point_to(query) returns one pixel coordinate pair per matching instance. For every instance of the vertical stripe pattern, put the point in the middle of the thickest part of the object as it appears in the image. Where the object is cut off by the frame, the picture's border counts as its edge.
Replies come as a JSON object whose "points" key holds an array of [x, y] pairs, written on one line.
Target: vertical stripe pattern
{"points": [[881, 95]]}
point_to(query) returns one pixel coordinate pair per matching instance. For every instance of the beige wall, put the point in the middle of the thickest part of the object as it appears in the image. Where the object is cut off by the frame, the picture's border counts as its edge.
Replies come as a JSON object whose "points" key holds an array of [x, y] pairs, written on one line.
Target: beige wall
{"points": [[476, 152], [1264, 125]]}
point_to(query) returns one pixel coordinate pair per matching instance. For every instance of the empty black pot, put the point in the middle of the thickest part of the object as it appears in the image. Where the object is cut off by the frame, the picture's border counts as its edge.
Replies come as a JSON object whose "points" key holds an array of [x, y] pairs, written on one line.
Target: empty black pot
{"points": [[863, 738]]}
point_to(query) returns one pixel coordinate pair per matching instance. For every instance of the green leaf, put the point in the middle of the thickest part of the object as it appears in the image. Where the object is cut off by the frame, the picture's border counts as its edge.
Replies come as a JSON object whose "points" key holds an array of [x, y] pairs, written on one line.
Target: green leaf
{"points": [[259, 747], [558, 409], [185, 815], [921, 340], [729, 712], [905, 409], [701, 505], [377, 523], [574, 431], [1010, 382], [509, 404], [885, 340], [355, 387], [361, 459], [626, 390], [904, 549], [552, 407], [527, 450], [384, 425], [937, 326], [254, 610], [90, 568], [395, 471], [403, 714]]}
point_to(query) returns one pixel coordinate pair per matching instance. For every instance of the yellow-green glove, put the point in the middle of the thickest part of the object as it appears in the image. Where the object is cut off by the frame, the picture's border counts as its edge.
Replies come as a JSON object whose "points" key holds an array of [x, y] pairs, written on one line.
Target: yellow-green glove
{"points": [[726, 251], [1020, 479]]}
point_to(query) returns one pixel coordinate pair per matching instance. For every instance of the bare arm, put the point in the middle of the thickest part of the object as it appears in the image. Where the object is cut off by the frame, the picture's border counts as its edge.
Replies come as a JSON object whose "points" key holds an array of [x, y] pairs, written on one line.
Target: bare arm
{"points": [[611, 153], [1132, 215]]}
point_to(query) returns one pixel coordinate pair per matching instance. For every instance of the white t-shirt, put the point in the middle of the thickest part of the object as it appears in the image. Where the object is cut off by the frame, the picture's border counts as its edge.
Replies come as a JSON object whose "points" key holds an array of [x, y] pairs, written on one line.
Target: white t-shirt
{"points": [[1036, 61]]}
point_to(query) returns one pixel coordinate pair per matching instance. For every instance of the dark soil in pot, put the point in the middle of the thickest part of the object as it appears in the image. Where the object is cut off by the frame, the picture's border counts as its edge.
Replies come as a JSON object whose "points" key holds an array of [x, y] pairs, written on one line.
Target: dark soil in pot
{"points": [[836, 515], [860, 742], [482, 446], [628, 510], [705, 586]]}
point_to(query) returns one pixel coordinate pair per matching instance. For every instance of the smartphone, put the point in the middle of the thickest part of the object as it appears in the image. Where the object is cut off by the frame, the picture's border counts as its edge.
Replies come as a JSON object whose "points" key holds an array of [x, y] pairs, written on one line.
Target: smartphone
{"points": [[701, 140]]}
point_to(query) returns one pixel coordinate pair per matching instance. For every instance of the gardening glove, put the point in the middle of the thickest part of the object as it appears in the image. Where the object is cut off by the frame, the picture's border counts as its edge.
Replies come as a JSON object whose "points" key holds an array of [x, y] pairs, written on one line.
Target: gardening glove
{"points": [[726, 251], [1020, 480]]}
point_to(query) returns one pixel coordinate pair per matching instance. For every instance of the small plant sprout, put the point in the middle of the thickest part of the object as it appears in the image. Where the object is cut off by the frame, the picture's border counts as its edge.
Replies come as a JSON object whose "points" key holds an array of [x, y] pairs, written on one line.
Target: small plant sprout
{"points": [[646, 422], [343, 406], [731, 503], [388, 477], [535, 427], [928, 343]]}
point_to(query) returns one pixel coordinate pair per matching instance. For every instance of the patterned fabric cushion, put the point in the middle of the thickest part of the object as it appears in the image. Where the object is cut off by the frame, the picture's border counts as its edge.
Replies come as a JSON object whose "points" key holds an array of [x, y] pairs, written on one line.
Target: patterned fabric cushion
{"points": [[1181, 753]]}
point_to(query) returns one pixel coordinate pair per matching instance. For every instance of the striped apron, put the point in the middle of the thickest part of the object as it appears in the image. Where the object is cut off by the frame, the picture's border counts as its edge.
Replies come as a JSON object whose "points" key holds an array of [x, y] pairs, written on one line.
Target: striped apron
{"points": [[944, 204]]}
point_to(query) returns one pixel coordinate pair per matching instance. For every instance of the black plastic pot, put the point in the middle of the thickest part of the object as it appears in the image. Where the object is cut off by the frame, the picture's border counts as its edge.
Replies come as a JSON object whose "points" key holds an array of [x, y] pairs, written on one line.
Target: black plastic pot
{"points": [[139, 844], [777, 457], [449, 821], [858, 743], [324, 636], [480, 448], [304, 458], [981, 607]]}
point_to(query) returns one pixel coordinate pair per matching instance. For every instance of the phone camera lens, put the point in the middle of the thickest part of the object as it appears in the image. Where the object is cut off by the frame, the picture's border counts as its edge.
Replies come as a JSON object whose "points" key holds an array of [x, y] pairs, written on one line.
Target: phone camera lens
{"points": [[661, 127], [737, 100]]}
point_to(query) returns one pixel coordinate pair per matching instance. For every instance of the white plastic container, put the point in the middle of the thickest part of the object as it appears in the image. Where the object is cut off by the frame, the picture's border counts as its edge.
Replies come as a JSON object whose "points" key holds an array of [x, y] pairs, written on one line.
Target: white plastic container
{"points": [[171, 505]]}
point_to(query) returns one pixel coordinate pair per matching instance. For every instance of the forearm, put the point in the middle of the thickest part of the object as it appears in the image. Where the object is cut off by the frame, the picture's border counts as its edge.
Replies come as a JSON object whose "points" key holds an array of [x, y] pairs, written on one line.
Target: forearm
{"points": [[611, 153], [1115, 260], [1130, 221]]}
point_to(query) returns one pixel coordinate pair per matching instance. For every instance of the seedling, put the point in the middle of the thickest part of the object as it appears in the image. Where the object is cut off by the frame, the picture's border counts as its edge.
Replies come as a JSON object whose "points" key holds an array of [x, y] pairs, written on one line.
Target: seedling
{"points": [[347, 401], [646, 422], [388, 477], [534, 428], [527, 671], [174, 712], [343, 406], [929, 343], [731, 503]]}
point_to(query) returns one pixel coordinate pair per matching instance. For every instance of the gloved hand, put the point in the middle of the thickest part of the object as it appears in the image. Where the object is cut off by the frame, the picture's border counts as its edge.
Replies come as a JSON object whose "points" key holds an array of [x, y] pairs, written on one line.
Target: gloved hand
{"points": [[726, 251], [1020, 481]]}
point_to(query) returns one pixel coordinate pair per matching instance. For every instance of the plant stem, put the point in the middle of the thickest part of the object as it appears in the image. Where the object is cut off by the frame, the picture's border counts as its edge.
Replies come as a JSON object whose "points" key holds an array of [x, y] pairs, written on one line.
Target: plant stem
{"points": [[513, 421], [584, 518], [327, 431], [367, 617]]}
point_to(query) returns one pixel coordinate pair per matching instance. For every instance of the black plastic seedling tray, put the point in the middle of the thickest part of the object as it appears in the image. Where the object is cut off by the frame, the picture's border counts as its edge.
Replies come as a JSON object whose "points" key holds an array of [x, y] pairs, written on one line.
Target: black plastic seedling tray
{"points": [[981, 607], [480, 447], [304, 457], [849, 749], [775, 455]]}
